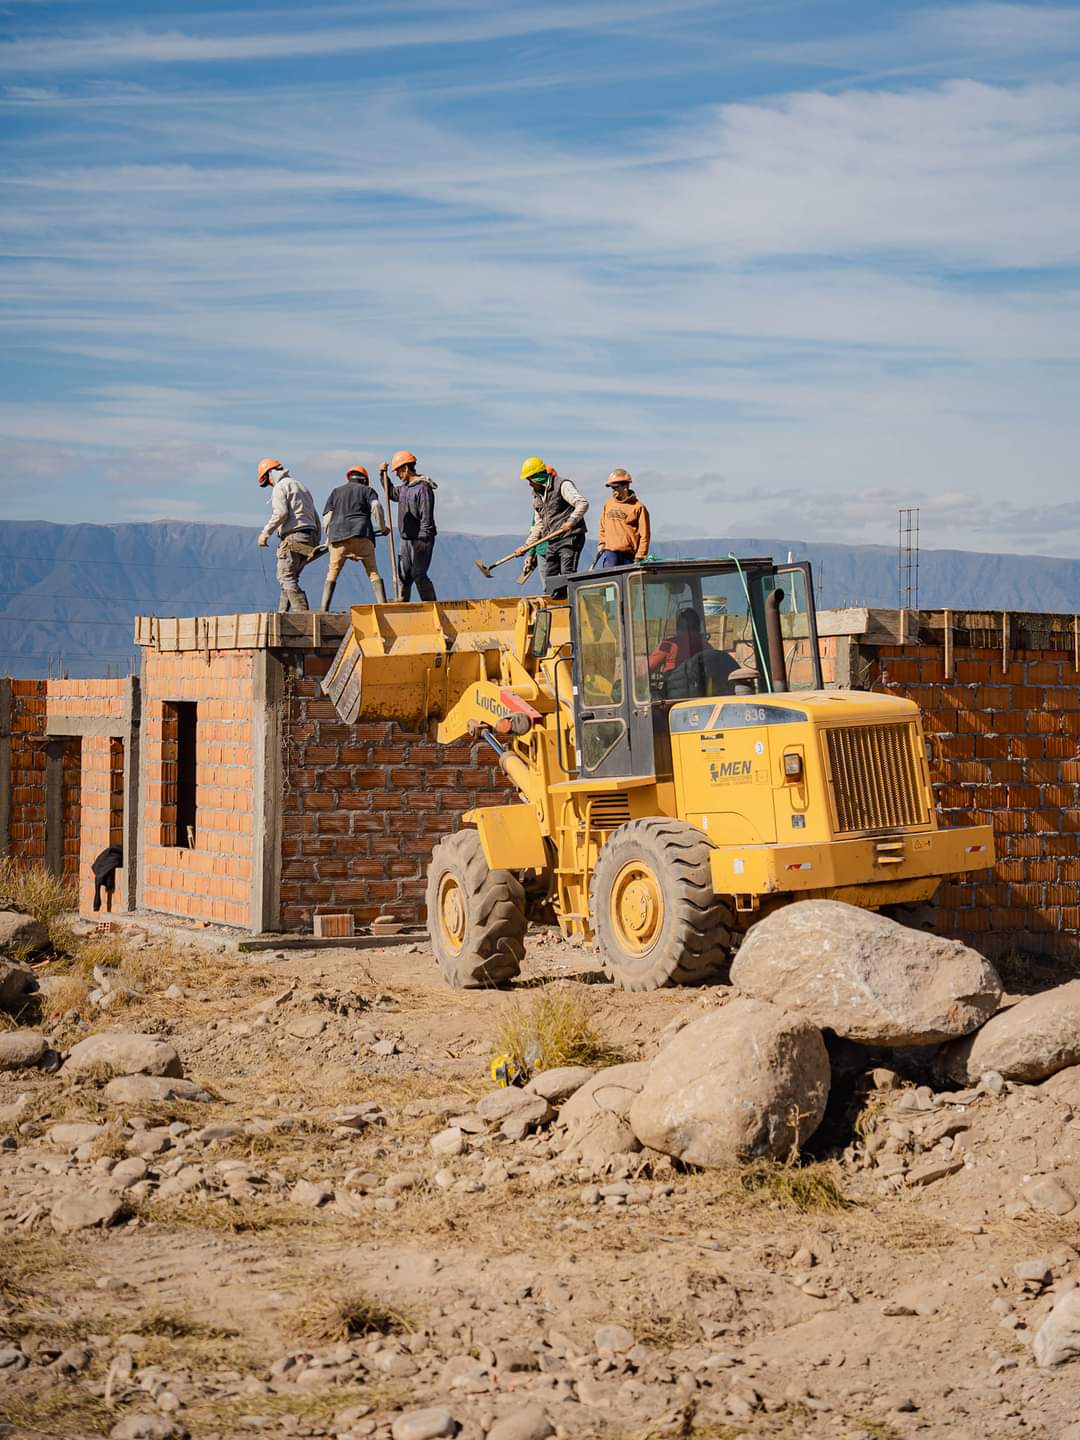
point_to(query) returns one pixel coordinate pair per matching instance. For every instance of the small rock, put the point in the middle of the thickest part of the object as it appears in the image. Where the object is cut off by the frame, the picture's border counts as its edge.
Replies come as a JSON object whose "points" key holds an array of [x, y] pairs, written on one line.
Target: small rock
{"points": [[385, 1047], [226, 1130], [424, 1425], [932, 1170], [19, 932], [613, 1337], [147, 1427], [311, 1194], [85, 1210], [400, 1181], [22, 1049], [884, 1079], [118, 1052], [73, 1361], [152, 1089], [559, 1084], [1058, 1337], [306, 1027], [527, 1422], [1049, 1195], [1037, 1271], [448, 1142], [71, 1135], [127, 1172], [497, 1105]]}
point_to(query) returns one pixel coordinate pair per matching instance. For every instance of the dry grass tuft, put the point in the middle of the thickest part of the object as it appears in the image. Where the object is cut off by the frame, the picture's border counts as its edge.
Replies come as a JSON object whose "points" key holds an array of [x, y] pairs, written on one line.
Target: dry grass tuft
{"points": [[35, 890], [239, 1217], [554, 1028], [59, 1410], [333, 1317], [808, 1189]]}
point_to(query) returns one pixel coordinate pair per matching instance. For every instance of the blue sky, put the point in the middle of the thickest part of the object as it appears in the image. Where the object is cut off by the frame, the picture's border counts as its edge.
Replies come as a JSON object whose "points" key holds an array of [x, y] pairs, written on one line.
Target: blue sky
{"points": [[793, 264]]}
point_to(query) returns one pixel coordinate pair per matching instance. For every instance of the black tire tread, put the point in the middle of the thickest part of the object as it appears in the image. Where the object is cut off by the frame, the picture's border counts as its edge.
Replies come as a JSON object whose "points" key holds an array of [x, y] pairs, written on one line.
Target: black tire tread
{"points": [[702, 933], [495, 937]]}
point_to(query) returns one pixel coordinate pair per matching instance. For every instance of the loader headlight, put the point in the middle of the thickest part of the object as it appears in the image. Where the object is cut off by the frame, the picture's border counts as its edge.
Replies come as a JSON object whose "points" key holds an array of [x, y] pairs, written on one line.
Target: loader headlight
{"points": [[793, 767]]}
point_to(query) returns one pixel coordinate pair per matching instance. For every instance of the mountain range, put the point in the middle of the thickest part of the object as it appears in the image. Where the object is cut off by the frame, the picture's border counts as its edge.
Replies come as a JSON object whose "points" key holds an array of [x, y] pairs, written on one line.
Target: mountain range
{"points": [[68, 593]]}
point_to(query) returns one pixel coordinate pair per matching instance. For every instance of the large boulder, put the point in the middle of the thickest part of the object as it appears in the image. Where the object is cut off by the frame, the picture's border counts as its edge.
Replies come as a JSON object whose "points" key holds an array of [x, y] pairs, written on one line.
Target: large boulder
{"points": [[743, 1082], [865, 977], [118, 1052], [22, 932], [15, 981], [1029, 1041]]}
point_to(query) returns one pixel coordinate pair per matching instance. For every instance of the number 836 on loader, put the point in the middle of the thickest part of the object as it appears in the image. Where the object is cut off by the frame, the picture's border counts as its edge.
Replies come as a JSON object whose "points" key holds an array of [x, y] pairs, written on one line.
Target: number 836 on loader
{"points": [[681, 769]]}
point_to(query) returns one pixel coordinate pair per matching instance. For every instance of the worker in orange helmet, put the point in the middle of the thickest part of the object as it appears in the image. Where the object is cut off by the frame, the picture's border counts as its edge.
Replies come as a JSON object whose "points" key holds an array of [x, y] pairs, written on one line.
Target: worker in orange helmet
{"points": [[624, 524], [415, 495], [294, 517], [353, 517]]}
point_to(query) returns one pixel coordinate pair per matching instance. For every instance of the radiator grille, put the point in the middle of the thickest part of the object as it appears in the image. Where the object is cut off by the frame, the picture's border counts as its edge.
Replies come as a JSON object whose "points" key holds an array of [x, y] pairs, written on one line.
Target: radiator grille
{"points": [[608, 812], [875, 777]]}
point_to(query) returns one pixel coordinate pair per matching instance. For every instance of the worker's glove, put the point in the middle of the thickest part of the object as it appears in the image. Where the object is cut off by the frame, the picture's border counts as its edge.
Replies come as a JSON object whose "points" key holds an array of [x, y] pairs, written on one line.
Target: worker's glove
{"points": [[529, 566], [262, 540], [381, 534]]}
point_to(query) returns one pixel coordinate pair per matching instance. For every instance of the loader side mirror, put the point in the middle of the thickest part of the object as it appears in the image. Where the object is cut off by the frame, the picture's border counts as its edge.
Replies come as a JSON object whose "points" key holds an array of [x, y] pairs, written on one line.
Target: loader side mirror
{"points": [[541, 634]]}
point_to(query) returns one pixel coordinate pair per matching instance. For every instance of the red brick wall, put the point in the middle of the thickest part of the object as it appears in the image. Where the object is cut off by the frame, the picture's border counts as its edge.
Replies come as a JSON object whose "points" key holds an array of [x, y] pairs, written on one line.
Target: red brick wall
{"points": [[364, 805], [212, 881], [1010, 742], [27, 834]]}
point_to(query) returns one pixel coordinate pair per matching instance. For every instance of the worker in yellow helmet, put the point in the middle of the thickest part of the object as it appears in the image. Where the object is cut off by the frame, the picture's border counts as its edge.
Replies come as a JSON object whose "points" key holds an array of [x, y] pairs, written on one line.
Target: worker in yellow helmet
{"points": [[559, 511]]}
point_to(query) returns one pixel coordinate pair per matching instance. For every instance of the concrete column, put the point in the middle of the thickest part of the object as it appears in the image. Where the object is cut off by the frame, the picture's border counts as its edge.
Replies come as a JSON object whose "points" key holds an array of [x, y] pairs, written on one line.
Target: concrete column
{"points": [[268, 731], [132, 791], [5, 764]]}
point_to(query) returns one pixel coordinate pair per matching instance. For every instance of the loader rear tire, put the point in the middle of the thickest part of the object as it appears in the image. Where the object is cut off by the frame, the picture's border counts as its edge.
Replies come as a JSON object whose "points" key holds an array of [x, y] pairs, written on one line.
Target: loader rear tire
{"points": [[475, 915], [654, 912]]}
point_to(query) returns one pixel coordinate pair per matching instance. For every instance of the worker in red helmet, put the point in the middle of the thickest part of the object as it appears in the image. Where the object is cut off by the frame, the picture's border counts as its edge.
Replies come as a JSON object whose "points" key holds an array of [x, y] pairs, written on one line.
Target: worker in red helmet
{"points": [[353, 517], [294, 517], [415, 495]]}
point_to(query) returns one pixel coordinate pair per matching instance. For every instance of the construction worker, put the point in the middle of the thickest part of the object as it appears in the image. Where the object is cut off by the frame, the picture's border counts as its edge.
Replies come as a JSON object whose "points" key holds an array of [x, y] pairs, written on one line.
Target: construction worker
{"points": [[559, 511], [294, 517], [352, 518], [415, 495], [624, 524]]}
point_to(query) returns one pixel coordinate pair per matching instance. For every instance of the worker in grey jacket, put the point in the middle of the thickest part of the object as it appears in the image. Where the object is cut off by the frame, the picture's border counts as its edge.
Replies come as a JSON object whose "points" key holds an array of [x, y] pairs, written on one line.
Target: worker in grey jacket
{"points": [[294, 517]]}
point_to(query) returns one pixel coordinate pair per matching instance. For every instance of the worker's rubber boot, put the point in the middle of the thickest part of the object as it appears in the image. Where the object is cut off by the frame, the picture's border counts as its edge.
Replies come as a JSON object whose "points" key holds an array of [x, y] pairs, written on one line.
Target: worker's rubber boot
{"points": [[328, 594], [378, 589]]}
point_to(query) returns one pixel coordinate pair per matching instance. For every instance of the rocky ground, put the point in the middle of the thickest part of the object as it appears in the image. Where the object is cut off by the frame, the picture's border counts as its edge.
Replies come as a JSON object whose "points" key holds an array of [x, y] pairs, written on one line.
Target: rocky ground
{"points": [[321, 1218]]}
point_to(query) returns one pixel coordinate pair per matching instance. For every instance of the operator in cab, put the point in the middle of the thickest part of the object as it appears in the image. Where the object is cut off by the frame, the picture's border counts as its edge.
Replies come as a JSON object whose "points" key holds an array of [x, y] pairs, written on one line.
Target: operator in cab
{"points": [[685, 666]]}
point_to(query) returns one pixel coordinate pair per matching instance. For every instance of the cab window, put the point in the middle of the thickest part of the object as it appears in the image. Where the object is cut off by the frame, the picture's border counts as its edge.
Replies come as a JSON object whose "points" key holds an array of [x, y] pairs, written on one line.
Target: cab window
{"points": [[690, 634], [600, 645]]}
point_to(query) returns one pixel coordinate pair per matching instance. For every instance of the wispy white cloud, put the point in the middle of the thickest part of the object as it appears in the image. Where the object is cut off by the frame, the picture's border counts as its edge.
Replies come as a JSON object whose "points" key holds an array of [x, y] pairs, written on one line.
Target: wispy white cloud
{"points": [[468, 24]]}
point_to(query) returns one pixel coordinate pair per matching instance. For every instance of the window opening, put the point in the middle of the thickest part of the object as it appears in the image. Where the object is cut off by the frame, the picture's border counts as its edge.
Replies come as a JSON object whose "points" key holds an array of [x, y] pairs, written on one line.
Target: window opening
{"points": [[178, 773], [690, 634]]}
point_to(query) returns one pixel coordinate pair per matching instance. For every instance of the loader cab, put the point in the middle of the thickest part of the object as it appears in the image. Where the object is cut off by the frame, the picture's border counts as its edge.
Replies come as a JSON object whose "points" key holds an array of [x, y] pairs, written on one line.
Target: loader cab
{"points": [[648, 637]]}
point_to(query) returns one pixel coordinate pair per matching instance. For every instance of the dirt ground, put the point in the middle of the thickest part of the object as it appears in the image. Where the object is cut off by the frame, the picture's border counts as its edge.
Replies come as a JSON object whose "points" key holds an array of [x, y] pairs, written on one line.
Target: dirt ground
{"points": [[493, 1287]]}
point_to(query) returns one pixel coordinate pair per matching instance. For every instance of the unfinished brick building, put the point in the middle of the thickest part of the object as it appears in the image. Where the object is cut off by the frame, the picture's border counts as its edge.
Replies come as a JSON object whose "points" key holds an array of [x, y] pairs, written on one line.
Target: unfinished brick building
{"points": [[243, 801]]}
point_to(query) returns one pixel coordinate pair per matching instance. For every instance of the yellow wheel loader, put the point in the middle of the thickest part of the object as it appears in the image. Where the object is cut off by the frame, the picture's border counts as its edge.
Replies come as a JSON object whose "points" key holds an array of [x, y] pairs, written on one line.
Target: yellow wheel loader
{"points": [[680, 767]]}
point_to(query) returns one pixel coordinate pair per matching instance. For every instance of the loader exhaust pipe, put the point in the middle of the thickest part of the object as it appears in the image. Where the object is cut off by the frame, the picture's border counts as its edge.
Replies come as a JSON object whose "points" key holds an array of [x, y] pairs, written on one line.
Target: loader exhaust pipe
{"points": [[774, 636]]}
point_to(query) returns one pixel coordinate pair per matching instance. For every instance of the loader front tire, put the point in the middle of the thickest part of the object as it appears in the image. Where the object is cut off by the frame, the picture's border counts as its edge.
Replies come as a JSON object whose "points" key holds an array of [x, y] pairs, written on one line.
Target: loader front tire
{"points": [[654, 912], [475, 915]]}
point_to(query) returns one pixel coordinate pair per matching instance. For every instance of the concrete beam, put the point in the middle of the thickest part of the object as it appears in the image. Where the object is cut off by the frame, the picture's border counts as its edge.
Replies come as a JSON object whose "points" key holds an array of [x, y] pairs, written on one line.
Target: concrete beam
{"points": [[268, 731]]}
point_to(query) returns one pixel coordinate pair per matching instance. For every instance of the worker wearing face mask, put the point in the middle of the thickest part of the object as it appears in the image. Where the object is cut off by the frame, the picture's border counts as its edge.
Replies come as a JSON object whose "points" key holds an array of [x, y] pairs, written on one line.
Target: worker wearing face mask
{"points": [[559, 511]]}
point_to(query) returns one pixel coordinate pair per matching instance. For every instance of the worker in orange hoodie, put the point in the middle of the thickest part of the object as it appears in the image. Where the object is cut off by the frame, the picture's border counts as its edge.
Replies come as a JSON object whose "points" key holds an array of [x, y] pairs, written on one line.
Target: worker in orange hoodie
{"points": [[624, 524]]}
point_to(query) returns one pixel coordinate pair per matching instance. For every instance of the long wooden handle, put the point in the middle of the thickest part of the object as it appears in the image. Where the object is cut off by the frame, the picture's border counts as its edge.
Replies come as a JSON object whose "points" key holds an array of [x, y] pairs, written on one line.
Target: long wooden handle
{"points": [[393, 542]]}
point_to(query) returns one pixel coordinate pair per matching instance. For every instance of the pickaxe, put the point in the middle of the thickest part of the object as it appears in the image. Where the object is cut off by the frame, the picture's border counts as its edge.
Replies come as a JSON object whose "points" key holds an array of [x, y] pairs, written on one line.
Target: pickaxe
{"points": [[521, 550]]}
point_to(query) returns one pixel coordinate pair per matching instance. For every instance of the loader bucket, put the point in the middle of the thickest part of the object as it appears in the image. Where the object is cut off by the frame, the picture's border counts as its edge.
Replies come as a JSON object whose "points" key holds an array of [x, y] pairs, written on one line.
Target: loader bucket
{"points": [[412, 662]]}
